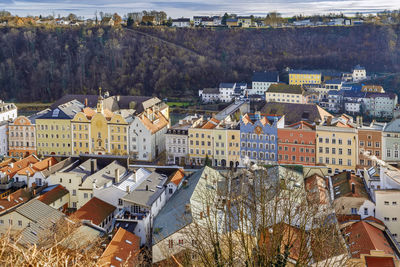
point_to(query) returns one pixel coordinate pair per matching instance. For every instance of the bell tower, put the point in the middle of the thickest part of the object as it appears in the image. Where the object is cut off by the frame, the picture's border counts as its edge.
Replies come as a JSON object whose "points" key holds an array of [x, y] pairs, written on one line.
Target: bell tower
{"points": [[100, 108]]}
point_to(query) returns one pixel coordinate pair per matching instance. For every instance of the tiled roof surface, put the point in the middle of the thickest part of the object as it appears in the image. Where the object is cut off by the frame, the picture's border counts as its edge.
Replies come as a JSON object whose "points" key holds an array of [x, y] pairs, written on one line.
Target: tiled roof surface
{"points": [[38, 166], [342, 186], [266, 76], [14, 199], [177, 177], [19, 165], [123, 250], [94, 210], [53, 195], [211, 124], [156, 125], [372, 261]]}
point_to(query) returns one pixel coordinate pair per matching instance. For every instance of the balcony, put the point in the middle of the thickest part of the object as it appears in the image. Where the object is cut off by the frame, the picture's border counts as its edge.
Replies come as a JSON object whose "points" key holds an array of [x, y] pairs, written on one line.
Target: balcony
{"points": [[125, 215]]}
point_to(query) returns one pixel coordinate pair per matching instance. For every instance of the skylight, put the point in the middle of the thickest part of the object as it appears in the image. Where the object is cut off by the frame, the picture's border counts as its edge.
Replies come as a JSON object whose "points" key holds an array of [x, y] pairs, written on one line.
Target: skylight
{"points": [[118, 258], [129, 242]]}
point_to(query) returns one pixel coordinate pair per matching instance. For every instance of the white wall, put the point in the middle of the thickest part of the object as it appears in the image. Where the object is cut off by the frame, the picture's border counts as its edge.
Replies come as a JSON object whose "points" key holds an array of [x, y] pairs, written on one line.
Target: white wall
{"points": [[3, 139]]}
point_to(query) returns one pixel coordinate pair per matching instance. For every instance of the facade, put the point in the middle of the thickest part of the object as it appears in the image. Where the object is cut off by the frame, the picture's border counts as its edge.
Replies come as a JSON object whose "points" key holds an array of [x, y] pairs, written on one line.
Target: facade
{"points": [[296, 144], [370, 144], [3, 138], [259, 138], [359, 74], [214, 140], [22, 137], [225, 93], [244, 22], [391, 141], [337, 144], [181, 23], [380, 104], [284, 93], [209, 95], [300, 77], [8, 111], [177, 141], [261, 81], [53, 129], [372, 89], [99, 131]]}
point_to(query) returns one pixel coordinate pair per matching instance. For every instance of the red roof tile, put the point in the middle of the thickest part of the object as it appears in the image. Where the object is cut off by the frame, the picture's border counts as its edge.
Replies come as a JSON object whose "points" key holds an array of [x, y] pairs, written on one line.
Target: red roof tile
{"points": [[177, 177], [38, 166], [379, 261], [94, 210], [16, 166], [53, 195], [14, 199]]}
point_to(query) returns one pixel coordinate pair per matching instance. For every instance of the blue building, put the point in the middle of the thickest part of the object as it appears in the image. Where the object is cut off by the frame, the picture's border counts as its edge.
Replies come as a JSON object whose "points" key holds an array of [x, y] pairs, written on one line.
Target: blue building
{"points": [[259, 137]]}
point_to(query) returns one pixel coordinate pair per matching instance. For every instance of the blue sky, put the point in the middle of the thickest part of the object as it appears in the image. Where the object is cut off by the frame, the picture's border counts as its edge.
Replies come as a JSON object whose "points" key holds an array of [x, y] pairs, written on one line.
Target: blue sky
{"points": [[188, 8]]}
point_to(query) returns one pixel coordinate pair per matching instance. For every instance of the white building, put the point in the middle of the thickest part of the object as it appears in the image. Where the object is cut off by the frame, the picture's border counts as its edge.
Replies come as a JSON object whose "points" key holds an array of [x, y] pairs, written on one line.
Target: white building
{"points": [[8, 111], [144, 203], [176, 140], [359, 74], [181, 23], [352, 107], [226, 92], [261, 81], [380, 104], [146, 132], [3, 138]]}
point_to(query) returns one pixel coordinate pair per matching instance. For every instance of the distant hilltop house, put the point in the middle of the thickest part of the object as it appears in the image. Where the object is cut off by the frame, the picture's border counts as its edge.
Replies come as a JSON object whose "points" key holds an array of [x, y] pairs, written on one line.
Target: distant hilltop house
{"points": [[232, 22], [226, 92], [207, 21], [245, 22], [357, 74], [261, 81], [181, 23]]}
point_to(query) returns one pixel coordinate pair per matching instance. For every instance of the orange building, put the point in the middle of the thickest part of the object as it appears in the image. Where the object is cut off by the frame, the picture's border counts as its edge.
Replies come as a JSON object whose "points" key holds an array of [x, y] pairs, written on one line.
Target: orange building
{"points": [[370, 144], [296, 144], [22, 137]]}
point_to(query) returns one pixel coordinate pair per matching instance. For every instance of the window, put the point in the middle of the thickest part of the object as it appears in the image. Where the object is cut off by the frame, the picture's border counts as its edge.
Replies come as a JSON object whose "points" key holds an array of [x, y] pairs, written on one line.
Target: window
{"points": [[365, 211], [119, 202], [170, 243], [349, 162], [394, 219], [74, 192], [349, 152], [349, 142], [394, 203], [20, 222], [353, 210], [333, 150], [340, 151], [386, 202], [326, 150], [386, 219]]}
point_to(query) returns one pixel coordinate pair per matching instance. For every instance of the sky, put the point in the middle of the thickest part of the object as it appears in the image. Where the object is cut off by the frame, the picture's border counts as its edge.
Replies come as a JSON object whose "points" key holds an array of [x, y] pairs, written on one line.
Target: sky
{"points": [[188, 8]]}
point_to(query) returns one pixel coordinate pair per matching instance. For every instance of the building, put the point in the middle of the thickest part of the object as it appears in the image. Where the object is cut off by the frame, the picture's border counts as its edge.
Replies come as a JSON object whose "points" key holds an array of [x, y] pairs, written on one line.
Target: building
{"points": [[57, 197], [370, 143], [380, 105], [337, 144], [184, 208], [209, 95], [226, 92], [284, 93], [391, 141], [100, 131], [8, 111], [3, 138], [245, 22], [13, 200], [96, 212], [123, 249], [8, 172], [214, 140], [359, 74], [261, 81], [143, 204], [372, 89], [294, 113], [300, 77], [296, 144], [177, 141], [181, 23], [232, 22], [34, 175], [53, 129], [259, 137], [22, 136]]}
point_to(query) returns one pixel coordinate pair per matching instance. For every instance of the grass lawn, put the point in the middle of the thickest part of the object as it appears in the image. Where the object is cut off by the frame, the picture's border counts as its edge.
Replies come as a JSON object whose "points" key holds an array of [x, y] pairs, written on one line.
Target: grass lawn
{"points": [[178, 104]]}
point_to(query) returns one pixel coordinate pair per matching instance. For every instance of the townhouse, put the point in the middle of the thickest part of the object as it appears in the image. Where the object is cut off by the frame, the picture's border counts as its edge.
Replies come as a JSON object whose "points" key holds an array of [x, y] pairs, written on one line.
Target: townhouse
{"points": [[391, 141], [370, 143], [296, 144], [300, 77], [8, 111], [284, 93], [261, 81], [3, 138], [259, 138], [337, 143]]}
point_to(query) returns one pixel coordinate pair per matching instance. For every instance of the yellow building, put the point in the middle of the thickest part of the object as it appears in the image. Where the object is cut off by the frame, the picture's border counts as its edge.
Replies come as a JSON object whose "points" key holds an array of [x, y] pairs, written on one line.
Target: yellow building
{"points": [[99, 131], [337, 144], [53, 129], [300, 77], [215, 139], [285, 93]]}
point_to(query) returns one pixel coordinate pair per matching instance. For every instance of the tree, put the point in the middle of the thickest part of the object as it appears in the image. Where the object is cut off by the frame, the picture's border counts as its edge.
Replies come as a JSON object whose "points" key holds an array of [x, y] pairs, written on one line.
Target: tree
{"points": [[72, 17], [117, 19], [224, 18], [130, 22]]}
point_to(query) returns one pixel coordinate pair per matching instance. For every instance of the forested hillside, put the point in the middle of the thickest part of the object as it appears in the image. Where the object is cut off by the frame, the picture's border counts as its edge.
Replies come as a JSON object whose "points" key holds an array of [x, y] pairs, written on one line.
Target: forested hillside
{"points": [[41, 64]]}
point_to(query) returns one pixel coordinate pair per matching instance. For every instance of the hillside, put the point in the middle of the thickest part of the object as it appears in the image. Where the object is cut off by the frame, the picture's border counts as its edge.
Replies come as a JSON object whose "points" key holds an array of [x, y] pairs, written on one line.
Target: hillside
{"points": [[41, 64]]}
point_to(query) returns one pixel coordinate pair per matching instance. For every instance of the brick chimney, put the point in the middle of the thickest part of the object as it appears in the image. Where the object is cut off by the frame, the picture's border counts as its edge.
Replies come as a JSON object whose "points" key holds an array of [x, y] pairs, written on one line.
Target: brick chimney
{"points": [[116, 176]]}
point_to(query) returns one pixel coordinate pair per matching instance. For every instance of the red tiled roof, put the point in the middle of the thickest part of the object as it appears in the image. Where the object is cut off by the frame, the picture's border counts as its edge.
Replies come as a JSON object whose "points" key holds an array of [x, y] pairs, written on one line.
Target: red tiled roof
{"points": [[372, 261], [342, 218], [53, 195], [21, 164], [38, 166], [94, 210], [211, 124], [123, 250], [14, 199], [363, 237], [373, 219], [177, 177]]}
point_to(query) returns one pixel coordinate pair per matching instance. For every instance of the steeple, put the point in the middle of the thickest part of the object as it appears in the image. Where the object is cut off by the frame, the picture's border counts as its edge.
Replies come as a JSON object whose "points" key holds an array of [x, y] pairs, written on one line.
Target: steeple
{"points": [[100, 103]]}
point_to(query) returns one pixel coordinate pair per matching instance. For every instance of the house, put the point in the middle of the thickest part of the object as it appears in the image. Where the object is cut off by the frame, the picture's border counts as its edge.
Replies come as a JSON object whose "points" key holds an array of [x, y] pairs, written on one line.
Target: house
{"points": [[350, 196], [261, 81], [372, 89], [8, 172], [35, 174], [123, 249], [370, 143], [96, 212], [177, 141], [294, 112], [380, 105], [182, 209], [335, 101], [226, 92], [57, 197], [296, 144], [300, 77], [259, 137], [232, 22], [209, 95], [284, 93], [8, 111], [22, 136], [181, 23], [391, 141], [13, 200], [143, 204], [175, 181], [359, 74], [244, 22]]}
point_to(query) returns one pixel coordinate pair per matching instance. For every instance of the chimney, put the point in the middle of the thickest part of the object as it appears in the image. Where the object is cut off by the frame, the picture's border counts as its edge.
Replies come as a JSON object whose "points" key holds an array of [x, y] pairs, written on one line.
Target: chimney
{"points": [[329, 120], [93, 166], [348, 175], [116, 175], [9, 198], [147, 188], [127, 189], [86, 102], [353, 188], [49, 164]]}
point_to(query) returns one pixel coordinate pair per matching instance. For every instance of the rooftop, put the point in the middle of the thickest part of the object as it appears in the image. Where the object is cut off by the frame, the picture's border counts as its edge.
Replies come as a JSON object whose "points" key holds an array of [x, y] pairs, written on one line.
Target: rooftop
{"points": [[53, 195], [343, 186], [315, 72], [14, 199], [285, 88], [266, 76], [95, 210]]}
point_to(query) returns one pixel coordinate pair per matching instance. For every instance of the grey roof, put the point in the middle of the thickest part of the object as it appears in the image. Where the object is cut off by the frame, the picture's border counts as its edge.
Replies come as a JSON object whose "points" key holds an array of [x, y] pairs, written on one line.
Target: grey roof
{"points": [[57, 167], [172, 217], [64, 111], [33, 117], [227, 85], [91, 99], [266, 76], [155, 185], [393, 126], [229, 110], [42, 216], [336, 81], [214, 91], [105, 175]]}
